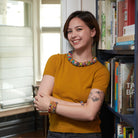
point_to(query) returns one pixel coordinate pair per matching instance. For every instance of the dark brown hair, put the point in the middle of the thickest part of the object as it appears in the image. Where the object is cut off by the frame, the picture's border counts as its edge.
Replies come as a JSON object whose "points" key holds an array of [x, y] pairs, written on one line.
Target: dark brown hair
{"points": [[88, 18]]}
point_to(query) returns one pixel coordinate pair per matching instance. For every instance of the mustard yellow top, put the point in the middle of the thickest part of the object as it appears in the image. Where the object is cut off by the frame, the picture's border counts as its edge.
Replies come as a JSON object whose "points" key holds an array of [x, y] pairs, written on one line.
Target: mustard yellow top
{"points": [[73, 84]]}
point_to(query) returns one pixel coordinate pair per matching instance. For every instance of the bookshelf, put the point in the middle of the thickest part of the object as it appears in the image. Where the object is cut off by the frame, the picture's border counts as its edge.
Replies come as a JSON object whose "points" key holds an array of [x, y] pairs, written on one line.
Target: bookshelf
{"points": [[104, 53]]}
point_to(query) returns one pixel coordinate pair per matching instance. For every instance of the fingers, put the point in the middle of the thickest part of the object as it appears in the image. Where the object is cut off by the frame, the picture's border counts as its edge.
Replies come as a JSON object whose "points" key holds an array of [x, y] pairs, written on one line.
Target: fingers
{"points": [[36, 105], [40, 95], [37, 97]]}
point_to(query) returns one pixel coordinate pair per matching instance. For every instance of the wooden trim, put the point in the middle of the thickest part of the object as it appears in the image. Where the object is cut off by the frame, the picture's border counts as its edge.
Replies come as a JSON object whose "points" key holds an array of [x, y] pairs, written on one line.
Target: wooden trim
{"points": [[17, 110], [50, 1], [81, 5], [51, 29]]}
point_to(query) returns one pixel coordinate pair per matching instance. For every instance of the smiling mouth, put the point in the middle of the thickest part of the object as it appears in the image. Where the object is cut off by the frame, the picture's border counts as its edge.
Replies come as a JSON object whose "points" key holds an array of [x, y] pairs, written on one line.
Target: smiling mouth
{"points": [[75, 41]]}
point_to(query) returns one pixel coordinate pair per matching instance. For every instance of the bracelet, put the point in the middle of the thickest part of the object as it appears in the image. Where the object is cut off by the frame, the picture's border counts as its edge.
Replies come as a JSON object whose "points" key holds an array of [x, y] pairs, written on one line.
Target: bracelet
{"points": [[82, 103], [52, 107]]}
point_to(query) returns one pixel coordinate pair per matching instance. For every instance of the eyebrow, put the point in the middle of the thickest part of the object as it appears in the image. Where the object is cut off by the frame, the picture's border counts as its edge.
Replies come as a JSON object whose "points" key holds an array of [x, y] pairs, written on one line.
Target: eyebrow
{"points": [[76, 27]]}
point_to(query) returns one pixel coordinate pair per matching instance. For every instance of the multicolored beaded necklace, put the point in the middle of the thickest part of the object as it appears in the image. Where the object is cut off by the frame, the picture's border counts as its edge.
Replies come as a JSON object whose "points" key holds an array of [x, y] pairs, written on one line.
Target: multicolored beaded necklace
{"points": [[80, 64]]}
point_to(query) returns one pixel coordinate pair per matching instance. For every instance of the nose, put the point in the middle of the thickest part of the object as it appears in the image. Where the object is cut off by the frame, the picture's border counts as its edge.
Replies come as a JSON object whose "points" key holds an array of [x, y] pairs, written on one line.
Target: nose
{"points": [[73, 34]]}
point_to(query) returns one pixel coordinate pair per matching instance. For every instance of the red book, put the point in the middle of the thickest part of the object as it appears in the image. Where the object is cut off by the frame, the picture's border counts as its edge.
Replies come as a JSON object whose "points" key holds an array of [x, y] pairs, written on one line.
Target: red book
{"points": [[129, 12], [130, 136], [120, 17]]}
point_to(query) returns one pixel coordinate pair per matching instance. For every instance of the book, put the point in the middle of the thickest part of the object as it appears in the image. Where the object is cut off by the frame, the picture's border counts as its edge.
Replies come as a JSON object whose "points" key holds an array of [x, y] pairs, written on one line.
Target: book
{"points": [[112, 81], [116, 86], [120, 17], [108, 12], [99, 21], [119, 130], [129, 12], [124, 130], [129, 30], [122, 84], [108, 93], [107, 22], [126, 38], [126, 85], [127, 130], [103, 26], [125, 43], [130, 135], [120, 126], [133, 133], [124, 47], [113, 24], [131, 42]]}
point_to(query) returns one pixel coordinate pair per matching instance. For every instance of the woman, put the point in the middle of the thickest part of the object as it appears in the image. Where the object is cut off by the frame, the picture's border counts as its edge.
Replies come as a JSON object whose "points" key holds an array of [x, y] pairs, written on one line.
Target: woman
{"points": [[74, 84]]}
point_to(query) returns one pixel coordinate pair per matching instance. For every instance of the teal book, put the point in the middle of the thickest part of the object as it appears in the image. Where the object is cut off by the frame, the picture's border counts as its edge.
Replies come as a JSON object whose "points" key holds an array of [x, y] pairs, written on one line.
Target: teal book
{"points": [[131, 42]]}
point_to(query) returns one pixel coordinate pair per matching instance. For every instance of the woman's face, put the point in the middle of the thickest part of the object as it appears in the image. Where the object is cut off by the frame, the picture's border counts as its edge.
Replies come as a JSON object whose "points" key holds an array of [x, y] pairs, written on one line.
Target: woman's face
{"points": [[80, 35]]}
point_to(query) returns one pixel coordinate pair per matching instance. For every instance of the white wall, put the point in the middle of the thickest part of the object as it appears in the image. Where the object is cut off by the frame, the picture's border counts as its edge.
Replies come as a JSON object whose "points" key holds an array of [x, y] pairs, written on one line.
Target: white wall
{"points": [[68, 6], [89, 5]]}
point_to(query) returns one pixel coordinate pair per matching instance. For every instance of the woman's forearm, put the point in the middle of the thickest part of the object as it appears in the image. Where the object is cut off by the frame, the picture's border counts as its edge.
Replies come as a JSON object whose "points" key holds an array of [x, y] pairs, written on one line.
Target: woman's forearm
{"points": [[86, 112], [77, 112], [63, 102]]}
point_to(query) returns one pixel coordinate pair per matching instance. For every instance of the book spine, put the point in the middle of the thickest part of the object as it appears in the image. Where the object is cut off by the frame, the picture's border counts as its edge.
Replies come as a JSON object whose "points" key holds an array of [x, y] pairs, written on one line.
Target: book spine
{"points": [[112, 81], [108, 94], [127, 130], [129, 30], [127, 88], [131, 42], [119, 90], [120, 18], [126, 38], [108, 23], [119, 130], [124, 47], [130, 136], [126, 13], [113, 24], [129, 10], [99, 21], [124, 132], [103, 27], [116, 85], [133, 133]]}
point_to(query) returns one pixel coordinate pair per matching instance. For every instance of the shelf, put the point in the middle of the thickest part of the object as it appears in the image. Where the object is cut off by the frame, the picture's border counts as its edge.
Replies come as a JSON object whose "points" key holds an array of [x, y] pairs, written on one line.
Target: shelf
{"points": [[128, 118], [116, 52]]}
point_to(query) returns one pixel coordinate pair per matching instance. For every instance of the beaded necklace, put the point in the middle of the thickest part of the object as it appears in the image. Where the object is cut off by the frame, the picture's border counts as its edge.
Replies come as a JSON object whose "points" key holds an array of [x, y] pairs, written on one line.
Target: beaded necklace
{"points": [[80, 64]]}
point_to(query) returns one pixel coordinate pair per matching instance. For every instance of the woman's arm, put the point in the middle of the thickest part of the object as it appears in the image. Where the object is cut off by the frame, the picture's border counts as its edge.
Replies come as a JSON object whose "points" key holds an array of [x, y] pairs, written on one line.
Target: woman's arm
{"points": [[75, 111], [87, 112], [62, 101], [46, 86], [46, 89]]}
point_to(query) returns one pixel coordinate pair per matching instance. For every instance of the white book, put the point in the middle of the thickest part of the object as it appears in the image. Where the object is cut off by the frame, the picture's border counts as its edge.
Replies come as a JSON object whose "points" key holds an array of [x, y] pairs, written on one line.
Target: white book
{"points": [[129, 30]]}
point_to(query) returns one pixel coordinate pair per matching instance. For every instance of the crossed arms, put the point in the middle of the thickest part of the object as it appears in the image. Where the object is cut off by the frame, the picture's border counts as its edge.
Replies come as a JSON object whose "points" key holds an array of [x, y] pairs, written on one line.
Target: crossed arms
{"points": [[86, 112]]}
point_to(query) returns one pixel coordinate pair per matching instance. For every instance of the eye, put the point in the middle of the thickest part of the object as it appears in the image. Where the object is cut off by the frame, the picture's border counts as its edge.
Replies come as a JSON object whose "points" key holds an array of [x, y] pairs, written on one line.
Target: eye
{"points": [[79, 29], [69, 31]]}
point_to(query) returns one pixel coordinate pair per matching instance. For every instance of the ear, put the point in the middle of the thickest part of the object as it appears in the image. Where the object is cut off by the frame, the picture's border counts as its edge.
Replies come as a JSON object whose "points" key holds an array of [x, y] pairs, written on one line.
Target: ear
{"points": [[93, 32]]}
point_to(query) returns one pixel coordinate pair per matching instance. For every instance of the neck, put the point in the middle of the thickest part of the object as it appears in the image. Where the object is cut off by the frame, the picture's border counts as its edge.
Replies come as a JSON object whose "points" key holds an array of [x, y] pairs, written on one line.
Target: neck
{"points": [[82, 56]]}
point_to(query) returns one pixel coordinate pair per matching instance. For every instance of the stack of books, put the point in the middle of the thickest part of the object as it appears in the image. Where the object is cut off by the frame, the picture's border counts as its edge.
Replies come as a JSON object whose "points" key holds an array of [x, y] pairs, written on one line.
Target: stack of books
{"points": [[124, 131]]}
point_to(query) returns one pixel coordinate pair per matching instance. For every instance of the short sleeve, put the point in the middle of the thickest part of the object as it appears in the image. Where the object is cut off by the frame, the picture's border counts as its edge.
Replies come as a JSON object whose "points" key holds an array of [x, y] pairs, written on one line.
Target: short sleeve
{"points": [[101, 79], [51, 65]]}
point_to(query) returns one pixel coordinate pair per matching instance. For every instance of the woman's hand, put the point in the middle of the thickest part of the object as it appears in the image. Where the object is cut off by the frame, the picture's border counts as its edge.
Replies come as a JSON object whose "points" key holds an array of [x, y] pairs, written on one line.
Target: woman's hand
{"points": [[42, 102]]}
